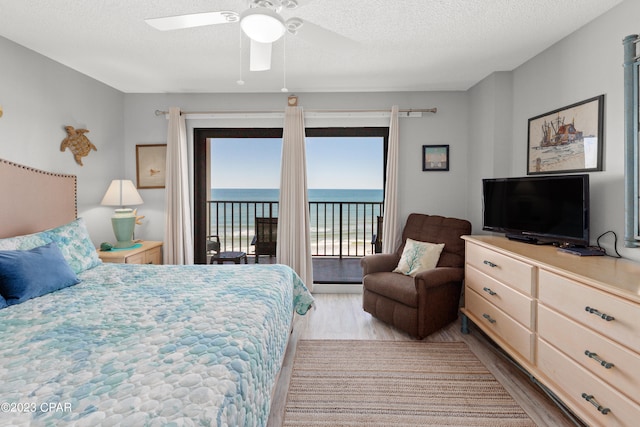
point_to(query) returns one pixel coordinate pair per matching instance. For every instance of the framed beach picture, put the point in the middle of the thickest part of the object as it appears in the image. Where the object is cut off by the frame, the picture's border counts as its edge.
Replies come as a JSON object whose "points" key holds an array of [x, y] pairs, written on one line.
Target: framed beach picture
{"points": [[435, 157], [150, 165], [568, 139]]}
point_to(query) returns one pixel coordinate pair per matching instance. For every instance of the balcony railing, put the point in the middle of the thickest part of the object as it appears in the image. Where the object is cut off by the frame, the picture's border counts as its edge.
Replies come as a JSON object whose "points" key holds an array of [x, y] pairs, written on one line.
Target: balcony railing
{"points": [[339, 229]]}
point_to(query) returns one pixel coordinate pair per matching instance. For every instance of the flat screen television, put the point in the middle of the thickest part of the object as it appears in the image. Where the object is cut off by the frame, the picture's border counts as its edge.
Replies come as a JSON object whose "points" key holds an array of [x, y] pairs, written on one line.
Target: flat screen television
{"points": [[540, 209]]}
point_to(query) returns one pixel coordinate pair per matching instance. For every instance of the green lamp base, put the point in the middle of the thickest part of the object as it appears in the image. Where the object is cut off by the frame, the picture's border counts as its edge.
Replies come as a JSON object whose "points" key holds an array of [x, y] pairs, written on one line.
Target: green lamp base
{"points": [[123, 229]]}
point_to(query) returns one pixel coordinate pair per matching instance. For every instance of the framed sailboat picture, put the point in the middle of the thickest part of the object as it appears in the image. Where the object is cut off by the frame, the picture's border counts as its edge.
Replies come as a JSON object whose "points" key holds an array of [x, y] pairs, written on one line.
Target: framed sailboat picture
{"points": [[568, 139]]}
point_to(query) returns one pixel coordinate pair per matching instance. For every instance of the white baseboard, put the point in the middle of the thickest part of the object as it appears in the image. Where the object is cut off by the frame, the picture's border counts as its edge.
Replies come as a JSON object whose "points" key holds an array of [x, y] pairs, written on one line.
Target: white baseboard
{"points": [[337, 288]]}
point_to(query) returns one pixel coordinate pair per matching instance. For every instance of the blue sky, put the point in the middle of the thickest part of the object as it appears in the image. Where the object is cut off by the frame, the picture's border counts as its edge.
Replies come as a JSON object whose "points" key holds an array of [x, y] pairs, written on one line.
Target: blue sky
{"points": [[332, 162]]}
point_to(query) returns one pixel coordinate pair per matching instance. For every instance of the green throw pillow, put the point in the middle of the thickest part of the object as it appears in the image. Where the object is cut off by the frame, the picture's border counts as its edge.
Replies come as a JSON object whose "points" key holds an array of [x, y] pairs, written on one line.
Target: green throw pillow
{"points": [[418, 256]]}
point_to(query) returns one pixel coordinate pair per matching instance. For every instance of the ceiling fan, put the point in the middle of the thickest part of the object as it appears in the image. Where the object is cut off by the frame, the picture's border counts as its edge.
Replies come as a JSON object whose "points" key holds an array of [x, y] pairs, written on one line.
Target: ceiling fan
{"points": [[261, 22]]}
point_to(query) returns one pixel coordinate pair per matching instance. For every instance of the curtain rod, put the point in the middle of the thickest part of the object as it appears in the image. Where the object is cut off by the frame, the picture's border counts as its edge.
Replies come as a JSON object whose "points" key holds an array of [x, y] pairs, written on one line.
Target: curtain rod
{"points": [[406, 111]]}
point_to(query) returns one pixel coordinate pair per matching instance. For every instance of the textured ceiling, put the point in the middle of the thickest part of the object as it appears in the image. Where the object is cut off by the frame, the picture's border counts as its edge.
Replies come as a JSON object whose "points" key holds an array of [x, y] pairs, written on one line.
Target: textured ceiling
{"points": [[372, 45]]}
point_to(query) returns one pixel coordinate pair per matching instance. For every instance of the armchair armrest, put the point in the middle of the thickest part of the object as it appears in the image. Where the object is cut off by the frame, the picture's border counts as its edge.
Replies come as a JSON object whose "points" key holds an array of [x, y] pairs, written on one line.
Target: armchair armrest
{"points": [[378, 262], [438, 276]]}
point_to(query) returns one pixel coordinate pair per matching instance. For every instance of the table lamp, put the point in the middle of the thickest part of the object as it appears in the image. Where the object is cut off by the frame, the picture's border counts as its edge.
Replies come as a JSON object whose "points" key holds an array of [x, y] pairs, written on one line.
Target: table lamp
{"points": [[122, 193]]}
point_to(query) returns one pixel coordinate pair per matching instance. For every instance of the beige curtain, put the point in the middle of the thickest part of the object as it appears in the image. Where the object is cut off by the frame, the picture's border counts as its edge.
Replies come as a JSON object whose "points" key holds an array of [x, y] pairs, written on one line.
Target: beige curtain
{"points": [[178, 245], [391, 234], [294, 240]]}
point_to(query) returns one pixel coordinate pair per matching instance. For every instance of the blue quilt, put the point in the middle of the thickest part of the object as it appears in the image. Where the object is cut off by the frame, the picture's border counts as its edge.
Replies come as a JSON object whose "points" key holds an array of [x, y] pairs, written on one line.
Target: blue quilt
{"points": [[150, 345]]}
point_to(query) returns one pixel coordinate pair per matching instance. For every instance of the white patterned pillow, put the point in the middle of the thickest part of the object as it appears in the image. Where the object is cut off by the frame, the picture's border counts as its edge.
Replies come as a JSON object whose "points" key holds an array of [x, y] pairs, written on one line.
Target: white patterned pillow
{"points": [[418, 256], [75, 244], [25, 242]]}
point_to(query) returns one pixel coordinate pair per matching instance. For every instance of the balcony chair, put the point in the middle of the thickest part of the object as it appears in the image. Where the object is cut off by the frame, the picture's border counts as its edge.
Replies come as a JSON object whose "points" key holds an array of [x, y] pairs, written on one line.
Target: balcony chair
{"points": [[418, 305], [215, 255], [376, 240], [213, 246], [265, 237]]}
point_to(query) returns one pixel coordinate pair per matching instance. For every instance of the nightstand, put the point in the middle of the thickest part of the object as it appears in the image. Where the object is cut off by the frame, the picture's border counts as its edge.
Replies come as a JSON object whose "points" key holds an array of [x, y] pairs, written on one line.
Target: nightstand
{"points": [[149, 253]]}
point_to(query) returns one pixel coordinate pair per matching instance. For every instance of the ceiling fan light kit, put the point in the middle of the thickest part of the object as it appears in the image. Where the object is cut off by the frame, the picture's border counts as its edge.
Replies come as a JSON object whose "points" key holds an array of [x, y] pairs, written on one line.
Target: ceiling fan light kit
{"points": [[262, 24]]}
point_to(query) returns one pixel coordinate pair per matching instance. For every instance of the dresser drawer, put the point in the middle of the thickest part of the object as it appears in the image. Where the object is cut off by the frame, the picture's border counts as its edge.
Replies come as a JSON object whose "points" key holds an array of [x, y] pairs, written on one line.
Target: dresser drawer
{"points": [[609, 361], [575, 385], [136, 259], [145, 252], [588, 306], [510, 271], [515, 304], [491, 318], [153, 256]]}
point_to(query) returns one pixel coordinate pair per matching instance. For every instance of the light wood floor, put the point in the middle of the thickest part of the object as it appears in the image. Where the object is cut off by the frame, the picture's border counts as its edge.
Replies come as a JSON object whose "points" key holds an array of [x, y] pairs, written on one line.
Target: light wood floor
{"points": [[340, 316]]}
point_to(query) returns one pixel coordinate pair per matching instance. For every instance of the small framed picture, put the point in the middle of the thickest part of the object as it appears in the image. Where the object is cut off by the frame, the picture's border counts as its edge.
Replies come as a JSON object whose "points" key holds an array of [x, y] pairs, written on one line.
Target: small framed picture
{"points": [[435, 157], [150, 165]]}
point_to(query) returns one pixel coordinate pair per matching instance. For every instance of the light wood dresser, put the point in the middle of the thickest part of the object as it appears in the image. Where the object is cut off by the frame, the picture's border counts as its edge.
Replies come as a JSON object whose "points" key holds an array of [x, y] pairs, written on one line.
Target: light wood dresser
{"points": [[572, 322], [148, 252]]}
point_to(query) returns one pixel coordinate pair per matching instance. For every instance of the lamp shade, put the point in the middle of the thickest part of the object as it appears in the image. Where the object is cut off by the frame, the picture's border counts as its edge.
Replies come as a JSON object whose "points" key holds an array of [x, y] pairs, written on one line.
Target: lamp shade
{"points": [[262, 24], [121, 193]]}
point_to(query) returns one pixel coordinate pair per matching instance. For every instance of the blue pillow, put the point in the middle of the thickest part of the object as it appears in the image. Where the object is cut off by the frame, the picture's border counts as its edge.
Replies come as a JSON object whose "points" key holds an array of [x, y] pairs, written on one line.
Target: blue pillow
{"points": [[29, 274], [3, 302]]}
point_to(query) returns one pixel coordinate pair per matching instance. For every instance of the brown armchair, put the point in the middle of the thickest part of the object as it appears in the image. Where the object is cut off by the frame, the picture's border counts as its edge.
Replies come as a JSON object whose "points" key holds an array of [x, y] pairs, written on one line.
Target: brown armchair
{"points": [[422, 304]]}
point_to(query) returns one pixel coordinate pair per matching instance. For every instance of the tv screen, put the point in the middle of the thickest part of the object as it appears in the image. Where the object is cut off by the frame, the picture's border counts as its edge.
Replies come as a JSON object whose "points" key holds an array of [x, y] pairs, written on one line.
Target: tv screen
{"points": [[541, 209]]}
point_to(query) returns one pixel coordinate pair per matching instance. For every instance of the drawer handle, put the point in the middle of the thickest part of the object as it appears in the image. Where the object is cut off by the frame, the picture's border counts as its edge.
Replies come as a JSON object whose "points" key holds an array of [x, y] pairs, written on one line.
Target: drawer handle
{"points": [[486, 316], [597, 313], [489, 291], [490, 264], [589, 398], [595, 357]]}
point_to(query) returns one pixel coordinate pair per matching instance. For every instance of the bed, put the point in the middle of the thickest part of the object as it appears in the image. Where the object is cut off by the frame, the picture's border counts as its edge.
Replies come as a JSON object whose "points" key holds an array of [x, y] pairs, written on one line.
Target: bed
{"points": [[133, 344]]}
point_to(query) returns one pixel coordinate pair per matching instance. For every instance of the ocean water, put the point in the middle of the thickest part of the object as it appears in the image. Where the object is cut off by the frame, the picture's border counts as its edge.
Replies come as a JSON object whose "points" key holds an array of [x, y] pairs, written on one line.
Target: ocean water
{"points": [[343, 221], [315, 195]]}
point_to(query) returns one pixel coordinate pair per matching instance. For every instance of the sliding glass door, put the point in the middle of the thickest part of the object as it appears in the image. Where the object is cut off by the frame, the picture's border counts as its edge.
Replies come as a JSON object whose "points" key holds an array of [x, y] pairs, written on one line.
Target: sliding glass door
{"points": [[237, 175]]}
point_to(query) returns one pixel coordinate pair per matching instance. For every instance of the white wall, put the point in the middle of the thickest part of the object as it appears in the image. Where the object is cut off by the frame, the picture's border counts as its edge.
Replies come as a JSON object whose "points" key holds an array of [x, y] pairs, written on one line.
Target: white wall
{"points": [[490, 143], [486, 126], [585, 64], [39, 97], [442, 193]]}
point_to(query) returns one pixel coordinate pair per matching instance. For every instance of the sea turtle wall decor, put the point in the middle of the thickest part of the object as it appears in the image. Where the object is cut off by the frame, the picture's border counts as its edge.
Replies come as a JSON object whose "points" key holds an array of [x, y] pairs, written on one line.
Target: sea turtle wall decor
{"points": [[79, 144]]}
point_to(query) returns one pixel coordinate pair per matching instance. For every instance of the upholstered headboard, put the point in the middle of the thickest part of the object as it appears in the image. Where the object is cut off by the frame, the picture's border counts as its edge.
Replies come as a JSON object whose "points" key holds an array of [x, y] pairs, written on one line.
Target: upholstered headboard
{"points": [[32, 200]]}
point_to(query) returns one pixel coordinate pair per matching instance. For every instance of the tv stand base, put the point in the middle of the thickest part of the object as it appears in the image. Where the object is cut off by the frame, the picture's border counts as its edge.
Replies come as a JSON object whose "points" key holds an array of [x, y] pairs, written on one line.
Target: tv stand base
{"points": [[527, 239]]}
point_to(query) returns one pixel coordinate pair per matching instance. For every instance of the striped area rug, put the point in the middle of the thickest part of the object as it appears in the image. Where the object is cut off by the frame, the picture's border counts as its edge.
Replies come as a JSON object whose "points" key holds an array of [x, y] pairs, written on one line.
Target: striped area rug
{"points": [[395, 383]]}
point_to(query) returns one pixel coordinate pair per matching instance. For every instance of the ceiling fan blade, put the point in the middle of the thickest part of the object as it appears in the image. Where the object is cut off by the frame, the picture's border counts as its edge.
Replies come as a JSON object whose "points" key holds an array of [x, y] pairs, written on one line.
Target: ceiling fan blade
{"points": [[294, 4], [259, 56], [318, 35], [178, 22]]}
